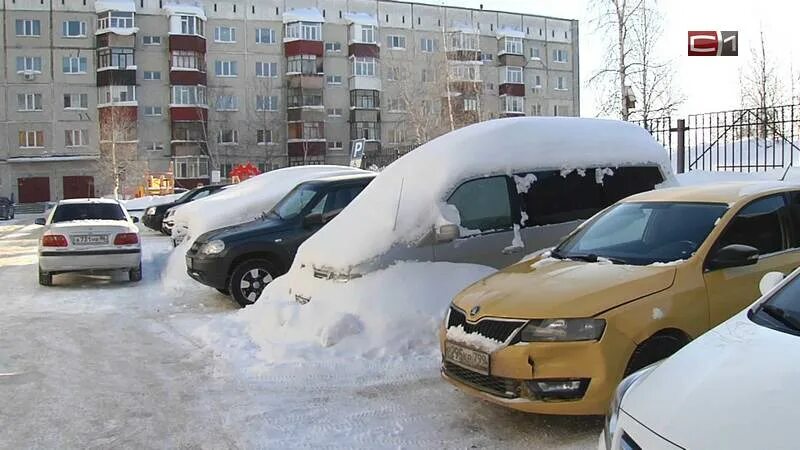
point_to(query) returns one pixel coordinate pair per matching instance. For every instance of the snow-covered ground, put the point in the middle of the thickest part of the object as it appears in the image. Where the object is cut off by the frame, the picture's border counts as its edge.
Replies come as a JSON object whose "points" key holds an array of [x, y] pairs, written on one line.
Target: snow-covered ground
{"points": [[96, 362]]}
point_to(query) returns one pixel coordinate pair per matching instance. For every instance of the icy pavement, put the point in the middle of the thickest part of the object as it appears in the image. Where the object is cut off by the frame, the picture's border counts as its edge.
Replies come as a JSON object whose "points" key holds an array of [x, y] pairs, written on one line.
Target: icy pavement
{"points": [[96, 362]]}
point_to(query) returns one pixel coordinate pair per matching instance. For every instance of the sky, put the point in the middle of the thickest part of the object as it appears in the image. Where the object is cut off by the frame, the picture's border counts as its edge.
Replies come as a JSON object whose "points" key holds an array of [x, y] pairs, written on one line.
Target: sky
{"points": [[708, 84]]}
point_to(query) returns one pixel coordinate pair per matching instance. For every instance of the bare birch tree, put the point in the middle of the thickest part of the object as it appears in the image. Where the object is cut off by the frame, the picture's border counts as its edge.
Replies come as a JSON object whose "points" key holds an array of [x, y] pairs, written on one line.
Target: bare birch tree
{"points": [[120, 168], [760, 84], [269, 118]]}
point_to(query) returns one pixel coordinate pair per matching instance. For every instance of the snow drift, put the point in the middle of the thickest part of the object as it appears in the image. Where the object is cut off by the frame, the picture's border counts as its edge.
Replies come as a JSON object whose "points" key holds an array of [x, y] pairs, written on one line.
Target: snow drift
{"points": [[142, 203]]}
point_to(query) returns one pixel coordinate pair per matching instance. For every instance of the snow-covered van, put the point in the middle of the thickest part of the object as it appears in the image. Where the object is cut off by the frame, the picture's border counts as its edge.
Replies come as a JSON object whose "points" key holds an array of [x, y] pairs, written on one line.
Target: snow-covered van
{"points": [[485, 194]]}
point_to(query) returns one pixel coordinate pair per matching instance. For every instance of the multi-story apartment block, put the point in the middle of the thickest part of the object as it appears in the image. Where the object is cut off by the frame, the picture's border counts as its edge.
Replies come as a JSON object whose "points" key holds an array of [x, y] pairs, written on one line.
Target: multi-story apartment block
{"points": [[201, 86]]}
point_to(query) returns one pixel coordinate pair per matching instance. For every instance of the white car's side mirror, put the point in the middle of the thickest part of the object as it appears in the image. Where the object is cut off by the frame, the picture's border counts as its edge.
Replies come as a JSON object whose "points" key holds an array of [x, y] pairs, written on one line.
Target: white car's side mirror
{"points": [[769, 281], [447, 233]]}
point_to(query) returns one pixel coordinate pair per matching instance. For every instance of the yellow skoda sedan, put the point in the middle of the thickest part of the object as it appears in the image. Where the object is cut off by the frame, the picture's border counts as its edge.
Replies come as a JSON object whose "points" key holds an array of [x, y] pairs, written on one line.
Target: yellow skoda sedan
{"points": [[635, 283]]}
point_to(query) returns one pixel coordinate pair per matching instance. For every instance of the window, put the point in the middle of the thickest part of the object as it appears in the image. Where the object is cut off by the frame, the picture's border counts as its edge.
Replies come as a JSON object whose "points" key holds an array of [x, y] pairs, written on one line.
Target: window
{"points": [[535, 53], [120, 58], [75, 138], [298, 98], [560, 110], [149, 75], [470, 104], [334, 79], [334, 112], [227, 103], [305, 64], [308, 31], [191, 25], [560, 56], [514, 45], [88, 211], [335, 145], [364, 66], [463, 41], [191, 167], [307, 130], [333, 47], [154, 146], [29, 64], [76, 101], [367, 34], [396, 105], [73, 29], [427, 45], [225, 68], [429, 76], [263, 136], [483, 204], [759, 224], [536, 109], [225, 35], [514, 74], [397, 136], [514, 104], [31, 138], [188, 95], [265, 36], [393, 73], [463, 72], [537, 81], [336, 200], [151, 40], [29, 27], [364, 99], [266, 69], [266, 102], [396, 42], [228, 137], [74, 64], [370, 131], [487, 57], [152, 111], [183, 59], [29, 102], [115, 19], [113, 94], [560, 84]]}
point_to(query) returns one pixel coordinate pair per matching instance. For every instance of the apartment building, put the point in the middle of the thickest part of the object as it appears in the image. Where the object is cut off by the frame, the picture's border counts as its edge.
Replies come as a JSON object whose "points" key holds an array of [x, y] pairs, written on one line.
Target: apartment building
{"points": [[197, 87]]}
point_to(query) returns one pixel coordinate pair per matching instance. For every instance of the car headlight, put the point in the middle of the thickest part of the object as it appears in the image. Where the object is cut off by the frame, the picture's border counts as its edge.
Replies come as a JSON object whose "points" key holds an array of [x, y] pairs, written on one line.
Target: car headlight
{"points": [[150, 211], [554, 330], [616, 401], [212, 248]]}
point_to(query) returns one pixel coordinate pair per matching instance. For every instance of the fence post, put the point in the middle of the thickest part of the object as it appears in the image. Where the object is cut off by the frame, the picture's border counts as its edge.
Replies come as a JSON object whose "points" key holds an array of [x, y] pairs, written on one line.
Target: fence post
{"points": [[681, 152]]}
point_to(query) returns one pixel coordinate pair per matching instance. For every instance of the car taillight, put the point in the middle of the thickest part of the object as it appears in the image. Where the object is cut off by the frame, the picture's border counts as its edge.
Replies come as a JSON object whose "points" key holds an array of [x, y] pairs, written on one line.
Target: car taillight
{"points": [[54, 240], [126, 239]]}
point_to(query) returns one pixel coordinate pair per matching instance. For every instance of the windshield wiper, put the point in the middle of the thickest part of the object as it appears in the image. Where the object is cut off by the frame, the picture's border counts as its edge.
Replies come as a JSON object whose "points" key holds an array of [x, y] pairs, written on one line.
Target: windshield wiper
{"points": [[592, 258], [782, 316], [555, 254]]}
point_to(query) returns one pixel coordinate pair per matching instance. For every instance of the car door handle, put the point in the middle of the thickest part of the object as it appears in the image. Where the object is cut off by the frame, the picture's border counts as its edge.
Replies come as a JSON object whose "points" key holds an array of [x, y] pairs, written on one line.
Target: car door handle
{"points": [[512, 250]]}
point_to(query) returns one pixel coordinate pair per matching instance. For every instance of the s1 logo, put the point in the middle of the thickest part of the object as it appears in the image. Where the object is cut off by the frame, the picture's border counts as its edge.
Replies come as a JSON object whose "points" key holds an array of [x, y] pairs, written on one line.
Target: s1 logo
{"points": [[713, 43]]}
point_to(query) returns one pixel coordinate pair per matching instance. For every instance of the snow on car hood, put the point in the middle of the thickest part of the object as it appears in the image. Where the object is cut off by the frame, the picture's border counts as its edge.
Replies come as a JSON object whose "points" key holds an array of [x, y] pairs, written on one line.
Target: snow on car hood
{"points": [[733, 387], [406, 200]]}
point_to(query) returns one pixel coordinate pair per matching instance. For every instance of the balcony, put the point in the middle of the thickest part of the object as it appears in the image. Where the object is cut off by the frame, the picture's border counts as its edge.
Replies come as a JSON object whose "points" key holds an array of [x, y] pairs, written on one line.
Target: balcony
{"points": [[188, 148], [113, 76], [513, 89], [365, 115], [511, 59], [365, 83], [306, 115], [188, 113], [306, 148], [364, 50], [302, 47], [463, 55], [187, 78], [187, 42], [115, 40], [306, 81]]}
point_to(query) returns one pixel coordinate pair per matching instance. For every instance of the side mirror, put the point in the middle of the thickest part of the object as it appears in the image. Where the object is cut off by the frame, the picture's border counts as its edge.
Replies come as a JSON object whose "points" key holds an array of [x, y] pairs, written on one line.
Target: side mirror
{"points": [[312, 220], [769, 281], [734, 255], [135, 219], [40, 221], [447, 233]]}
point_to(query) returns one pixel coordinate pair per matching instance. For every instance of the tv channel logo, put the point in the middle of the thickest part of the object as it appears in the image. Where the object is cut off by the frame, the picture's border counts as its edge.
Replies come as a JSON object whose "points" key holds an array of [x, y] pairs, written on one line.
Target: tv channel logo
{"points": [[713, 43]]}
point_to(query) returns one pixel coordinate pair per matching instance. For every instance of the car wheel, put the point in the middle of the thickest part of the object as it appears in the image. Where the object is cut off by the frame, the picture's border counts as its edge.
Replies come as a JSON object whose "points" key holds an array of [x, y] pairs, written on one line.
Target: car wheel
{"points": [[135, 274], [652, 350], [248, 280], [223, 291], [45, 279]]}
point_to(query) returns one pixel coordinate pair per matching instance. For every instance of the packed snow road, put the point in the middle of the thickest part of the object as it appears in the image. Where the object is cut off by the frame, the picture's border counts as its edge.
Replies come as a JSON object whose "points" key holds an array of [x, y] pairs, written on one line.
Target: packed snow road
{"points": [[98, 362]]}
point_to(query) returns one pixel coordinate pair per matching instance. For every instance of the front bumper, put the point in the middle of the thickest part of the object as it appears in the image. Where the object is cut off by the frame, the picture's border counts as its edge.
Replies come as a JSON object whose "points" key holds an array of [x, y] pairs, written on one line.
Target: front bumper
{"points": [[76, 261], [166, 227], [632, 434], [209, 271]]}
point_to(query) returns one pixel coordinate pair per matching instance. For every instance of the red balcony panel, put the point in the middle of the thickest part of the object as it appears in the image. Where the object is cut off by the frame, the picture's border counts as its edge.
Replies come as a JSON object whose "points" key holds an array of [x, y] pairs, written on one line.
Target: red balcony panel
{"points": [[514, 89], [187, 78], [187, 42], [188, 114], [315, 148], [365, 50], [297, 48]]}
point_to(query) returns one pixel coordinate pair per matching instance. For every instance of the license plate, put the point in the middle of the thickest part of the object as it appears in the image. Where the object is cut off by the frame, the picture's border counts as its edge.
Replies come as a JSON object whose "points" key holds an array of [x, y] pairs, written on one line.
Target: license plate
{"points": [[468, 358], [188, 262], [90, 239]]}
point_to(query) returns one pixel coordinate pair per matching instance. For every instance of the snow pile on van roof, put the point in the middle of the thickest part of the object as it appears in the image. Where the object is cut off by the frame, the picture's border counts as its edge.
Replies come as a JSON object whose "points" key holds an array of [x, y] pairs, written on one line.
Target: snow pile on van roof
{"points": [[406, 200]]}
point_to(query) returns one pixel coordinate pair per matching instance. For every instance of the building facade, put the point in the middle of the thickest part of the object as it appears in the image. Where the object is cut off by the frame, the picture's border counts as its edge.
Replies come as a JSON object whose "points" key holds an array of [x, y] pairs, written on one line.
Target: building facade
{"points": [[196, 87]]}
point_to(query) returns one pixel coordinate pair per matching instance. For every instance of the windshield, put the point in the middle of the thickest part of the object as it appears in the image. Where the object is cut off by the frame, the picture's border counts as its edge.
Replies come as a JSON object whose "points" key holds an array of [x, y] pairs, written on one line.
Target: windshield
{"points": [[88, 211], [294, 202], [782, 310], [644, 233]]}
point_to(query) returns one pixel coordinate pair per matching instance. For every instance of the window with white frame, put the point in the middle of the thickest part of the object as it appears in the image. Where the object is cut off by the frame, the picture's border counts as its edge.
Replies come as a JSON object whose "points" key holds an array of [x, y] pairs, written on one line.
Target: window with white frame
{"points": [[115, 19], [368, 34], [76, 101], [266, 102], [396, 105], [227, 103], [265, 36], [114, 94], [263, 136], [28, 27], [334, 112], [560, 56], [73, 29], [537, 82], [266, 69], [228, 136], [463, 41], [487, 57], [335, 145], [536, 109], [31, 138], [188, 95], [152, 75], [514, 74], [119, 58], [154, 146], [151, 40], [333, 79], [470, 104], [333, 47], [462, 72], [305, 64], [76, 138], [153, 111], [561, 84], [514, 104], [184, 59], [397, 135], [192, 25], [427, 45], [29, 102], [74, 64], [514, 45], [535, 53], [226, 69], [364, 66], [396, 42], [29, 64], [225, 35], [191, 167], [308, 31]]}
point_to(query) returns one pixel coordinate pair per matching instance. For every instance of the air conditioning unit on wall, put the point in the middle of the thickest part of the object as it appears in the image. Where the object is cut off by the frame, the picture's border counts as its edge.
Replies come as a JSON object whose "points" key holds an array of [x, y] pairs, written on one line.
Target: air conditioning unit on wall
{"points": [[29, 75]]}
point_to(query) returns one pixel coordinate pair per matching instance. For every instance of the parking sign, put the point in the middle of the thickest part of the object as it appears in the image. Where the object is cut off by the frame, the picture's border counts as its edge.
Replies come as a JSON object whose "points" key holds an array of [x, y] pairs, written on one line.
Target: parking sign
{"points": [[357, 152]]}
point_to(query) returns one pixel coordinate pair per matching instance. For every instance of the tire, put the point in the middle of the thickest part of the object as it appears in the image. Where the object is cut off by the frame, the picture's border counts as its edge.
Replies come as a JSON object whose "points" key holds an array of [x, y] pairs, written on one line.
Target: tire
{"points": [[223, 291], [135, 275], [45, 279], [652, 350], [248, 280]]}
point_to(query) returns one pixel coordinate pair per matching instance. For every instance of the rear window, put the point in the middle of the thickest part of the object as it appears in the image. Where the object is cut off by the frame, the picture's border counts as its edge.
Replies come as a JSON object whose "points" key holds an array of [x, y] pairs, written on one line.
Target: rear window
{"points": [[88, 211]]}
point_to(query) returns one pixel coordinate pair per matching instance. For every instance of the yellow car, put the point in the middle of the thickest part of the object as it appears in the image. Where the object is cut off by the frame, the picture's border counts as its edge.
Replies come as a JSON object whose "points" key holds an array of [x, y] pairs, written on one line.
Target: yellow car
{"points": [[556, 334]]}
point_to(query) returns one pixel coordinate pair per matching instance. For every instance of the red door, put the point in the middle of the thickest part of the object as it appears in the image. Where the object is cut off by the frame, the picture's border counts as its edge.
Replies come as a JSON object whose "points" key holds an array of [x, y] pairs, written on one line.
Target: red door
{"points": [[78, 187], [34, 189]]}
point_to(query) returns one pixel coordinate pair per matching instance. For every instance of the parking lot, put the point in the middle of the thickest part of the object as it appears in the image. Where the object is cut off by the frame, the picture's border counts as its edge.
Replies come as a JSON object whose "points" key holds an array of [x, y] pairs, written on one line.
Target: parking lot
{"points": [[95, 362]]}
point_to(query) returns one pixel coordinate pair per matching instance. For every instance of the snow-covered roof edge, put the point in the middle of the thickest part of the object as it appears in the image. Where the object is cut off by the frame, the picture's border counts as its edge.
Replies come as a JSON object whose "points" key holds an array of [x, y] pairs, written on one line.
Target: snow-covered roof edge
{"points": [[303, 15], [510, 32], [114, 5], [463, 27], [173, 9], [361, 18]]}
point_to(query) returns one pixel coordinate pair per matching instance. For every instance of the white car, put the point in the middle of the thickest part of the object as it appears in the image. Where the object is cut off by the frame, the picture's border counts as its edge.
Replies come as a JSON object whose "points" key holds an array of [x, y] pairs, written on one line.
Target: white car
{"points": [[89, 235], [734, 387]]}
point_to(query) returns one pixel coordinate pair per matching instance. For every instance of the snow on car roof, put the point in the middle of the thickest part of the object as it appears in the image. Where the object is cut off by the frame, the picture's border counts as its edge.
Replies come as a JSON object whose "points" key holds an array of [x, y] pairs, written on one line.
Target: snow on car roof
{"points": [[74, 201], [343, 177], [406, 200], [722, 192]]}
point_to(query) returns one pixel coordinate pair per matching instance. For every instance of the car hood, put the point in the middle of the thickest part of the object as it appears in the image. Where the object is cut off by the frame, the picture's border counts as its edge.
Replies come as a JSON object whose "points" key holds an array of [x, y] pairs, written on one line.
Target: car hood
{"points": [[734, 387], [552, 288], [246, 230]]}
